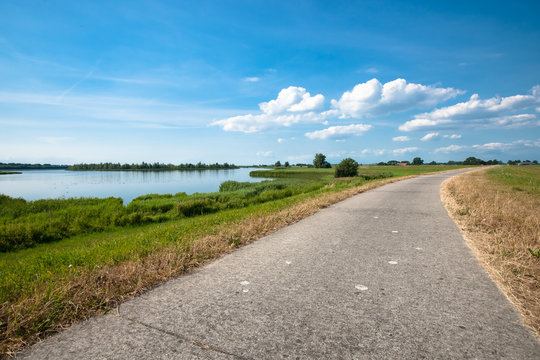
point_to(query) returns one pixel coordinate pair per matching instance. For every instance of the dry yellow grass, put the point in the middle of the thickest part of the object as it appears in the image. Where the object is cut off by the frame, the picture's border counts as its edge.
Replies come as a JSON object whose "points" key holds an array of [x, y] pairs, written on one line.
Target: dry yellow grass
{"points": [[105, 288], [500, 224]]}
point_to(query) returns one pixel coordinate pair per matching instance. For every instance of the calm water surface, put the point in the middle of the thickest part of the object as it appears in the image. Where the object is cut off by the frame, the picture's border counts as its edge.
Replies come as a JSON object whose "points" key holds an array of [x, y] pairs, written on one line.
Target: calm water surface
{"points": [[48, 184]]}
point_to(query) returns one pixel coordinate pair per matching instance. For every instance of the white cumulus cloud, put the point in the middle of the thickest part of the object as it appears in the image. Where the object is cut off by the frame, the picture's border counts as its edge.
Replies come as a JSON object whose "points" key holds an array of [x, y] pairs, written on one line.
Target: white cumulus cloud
{"points": [[497, 112], [528, 143], [452, 136], [514, 121], [339, 131], [292, 99], [429, 136], [405, 150], [373, 98], [450, 148], [377, 152], [292, 106], [401, 138], [492, 146]]}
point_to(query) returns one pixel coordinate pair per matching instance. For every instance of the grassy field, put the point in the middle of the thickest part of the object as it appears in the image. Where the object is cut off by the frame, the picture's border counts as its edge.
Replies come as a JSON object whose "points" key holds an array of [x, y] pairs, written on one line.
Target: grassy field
{"points": [[499, 212], [101, 252]]}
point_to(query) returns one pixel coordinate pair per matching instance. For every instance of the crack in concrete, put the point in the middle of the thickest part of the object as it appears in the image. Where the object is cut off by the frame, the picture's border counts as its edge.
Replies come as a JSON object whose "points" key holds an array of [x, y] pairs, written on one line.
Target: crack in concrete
{"points": [[183, 338]]}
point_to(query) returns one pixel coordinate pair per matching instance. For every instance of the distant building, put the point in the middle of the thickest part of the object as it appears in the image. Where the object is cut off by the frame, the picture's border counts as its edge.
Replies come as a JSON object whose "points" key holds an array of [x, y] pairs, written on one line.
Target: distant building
{"points": [[402, 164], [526, 163]]}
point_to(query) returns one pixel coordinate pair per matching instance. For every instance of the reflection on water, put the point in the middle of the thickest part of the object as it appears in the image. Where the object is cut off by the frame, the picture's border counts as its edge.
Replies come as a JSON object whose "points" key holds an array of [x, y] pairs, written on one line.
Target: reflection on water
{"points": [[44, 184]]}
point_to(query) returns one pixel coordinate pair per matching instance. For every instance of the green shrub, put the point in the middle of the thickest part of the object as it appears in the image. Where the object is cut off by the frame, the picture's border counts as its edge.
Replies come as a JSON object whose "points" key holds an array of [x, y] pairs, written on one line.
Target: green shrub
{"points": [[347, 168]]}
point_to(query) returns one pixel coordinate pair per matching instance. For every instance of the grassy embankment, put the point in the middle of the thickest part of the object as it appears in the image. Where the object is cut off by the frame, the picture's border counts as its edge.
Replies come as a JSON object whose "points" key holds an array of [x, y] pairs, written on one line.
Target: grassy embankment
{"points": [[498, 211], [65, 260]]}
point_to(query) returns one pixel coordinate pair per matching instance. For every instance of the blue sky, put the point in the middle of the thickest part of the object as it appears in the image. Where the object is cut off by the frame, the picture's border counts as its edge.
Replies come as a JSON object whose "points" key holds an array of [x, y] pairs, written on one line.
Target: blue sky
{"points": [[254, 82]]}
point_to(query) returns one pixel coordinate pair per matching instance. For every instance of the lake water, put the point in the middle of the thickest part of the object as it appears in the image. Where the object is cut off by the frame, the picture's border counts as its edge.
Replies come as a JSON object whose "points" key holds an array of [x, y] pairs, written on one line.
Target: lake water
{"points": [[47, 184]]}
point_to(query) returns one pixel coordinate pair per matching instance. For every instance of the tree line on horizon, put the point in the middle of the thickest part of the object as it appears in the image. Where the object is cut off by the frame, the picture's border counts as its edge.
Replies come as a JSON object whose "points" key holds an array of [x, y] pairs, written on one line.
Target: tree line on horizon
{"points": [[19, 166], [150, 166], [471, 160], [320, 162]]}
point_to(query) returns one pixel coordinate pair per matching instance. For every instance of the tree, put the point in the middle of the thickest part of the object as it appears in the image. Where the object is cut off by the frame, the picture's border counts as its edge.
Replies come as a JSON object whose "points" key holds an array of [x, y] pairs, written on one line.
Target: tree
{"points": [[320, 161], [417, 161], [277, 164], [347, 168], [471, 160], [286, 164]]}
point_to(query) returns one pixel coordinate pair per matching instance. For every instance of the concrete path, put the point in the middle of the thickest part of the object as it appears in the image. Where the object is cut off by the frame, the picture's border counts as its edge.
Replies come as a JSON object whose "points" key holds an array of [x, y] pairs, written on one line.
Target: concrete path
{"points": [[383, 275]]}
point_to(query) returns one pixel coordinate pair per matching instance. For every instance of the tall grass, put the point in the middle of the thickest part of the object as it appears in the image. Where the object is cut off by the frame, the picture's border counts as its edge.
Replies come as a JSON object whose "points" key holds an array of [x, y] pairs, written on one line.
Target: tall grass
{"points": [[24, 224]]}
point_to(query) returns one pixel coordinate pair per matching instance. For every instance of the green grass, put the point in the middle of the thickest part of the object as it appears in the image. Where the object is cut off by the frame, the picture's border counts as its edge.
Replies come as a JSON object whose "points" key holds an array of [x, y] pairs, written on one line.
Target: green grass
{"points": [[410, 169], [48, 263], [24, 224], [298, 173], [520, 178], [327, 174]]}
